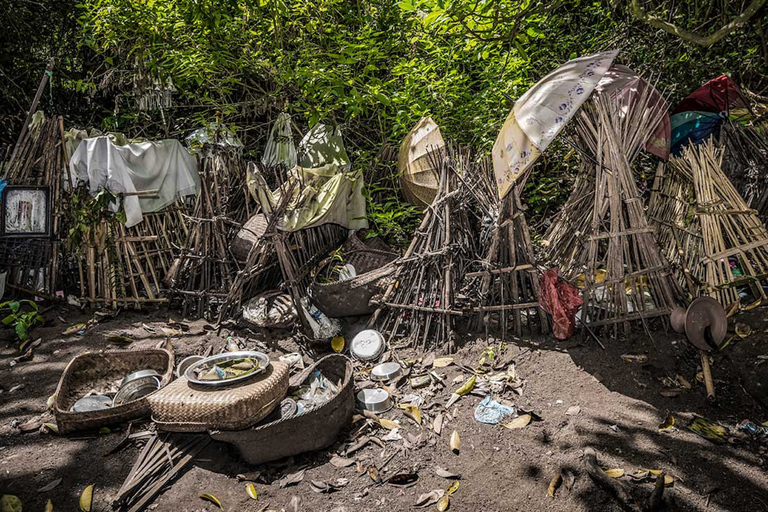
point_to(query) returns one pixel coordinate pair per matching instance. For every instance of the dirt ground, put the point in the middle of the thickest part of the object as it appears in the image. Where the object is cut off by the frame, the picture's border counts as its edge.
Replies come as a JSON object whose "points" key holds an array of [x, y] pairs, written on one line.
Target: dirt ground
{"points": [[619, 410]]}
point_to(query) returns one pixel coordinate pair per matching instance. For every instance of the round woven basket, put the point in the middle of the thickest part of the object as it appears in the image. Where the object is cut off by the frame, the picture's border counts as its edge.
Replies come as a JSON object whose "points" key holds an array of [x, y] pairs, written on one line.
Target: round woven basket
{"points": [[94, 370], [185, 407], [312, 430], [247, 237], [350, 297]]}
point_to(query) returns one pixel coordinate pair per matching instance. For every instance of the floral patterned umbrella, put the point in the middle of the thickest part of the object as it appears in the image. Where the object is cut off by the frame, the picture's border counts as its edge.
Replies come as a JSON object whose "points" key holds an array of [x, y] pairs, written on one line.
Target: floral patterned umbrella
{"points": [[541, 113]]}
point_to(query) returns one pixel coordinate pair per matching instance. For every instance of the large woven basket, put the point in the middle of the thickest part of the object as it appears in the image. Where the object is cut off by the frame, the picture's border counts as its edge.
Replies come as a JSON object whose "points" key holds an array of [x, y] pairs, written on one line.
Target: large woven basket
{"points": [[312, 430], [186, 407], [350, 297], [246, 238], [93, 370]]}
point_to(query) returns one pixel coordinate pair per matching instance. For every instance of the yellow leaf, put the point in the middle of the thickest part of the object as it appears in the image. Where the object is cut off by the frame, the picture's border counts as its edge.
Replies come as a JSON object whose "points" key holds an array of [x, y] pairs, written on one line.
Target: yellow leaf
{"points": [[337, 344], [743, 330], [519, 422], [455, 442], [668, 423], [554, 484], [442, 362], [453, 487], [86, 499], [49, 506], [52, 427], [51, 400], [251, 490], [467, 387], [388, 424], [668, 479], [213, 499], [443, 503], [615, 472], [10, 503], [412, 412]]}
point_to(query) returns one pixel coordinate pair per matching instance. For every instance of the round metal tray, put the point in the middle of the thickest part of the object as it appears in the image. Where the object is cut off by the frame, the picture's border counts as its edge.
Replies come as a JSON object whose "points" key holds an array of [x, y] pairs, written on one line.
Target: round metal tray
{"points": [[191, 375]]}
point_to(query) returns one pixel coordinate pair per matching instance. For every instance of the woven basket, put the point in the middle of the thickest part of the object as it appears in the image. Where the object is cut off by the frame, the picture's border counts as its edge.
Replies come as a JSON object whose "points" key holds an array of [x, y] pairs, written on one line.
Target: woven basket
{"points": [[93, 370], [247, 237], [350, 297], [305, 432], [185, 407]]}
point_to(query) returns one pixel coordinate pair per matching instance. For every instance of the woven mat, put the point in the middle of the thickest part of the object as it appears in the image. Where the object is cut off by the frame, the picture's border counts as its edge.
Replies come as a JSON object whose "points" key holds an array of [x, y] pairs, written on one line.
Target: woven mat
{"points": [[185, 407]]}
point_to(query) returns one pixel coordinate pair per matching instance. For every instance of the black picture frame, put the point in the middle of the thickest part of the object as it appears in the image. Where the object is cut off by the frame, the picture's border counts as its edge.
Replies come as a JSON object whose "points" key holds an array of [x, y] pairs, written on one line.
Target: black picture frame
{"points": [[10, 193]]}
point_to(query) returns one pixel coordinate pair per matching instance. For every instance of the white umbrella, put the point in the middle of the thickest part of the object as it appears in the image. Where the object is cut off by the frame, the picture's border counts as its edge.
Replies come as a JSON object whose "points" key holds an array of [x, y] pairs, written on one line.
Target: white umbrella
{"points": [[541, 113]]}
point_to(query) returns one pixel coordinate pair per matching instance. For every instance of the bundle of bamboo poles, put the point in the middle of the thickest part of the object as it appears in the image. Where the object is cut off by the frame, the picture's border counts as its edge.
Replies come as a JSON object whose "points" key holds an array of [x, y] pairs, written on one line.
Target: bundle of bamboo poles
{"points": [[602, 235], [504, 286], [422, 302], [745, 162], [163, 458], [206, 267], [708, 229], [38, 159]]}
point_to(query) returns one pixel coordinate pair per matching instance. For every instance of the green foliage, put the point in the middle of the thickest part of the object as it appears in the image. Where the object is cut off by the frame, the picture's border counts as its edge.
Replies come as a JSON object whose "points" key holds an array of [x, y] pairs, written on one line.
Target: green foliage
{"points": [[21, 321], [84, 215], [374, 67], [389, 217]]}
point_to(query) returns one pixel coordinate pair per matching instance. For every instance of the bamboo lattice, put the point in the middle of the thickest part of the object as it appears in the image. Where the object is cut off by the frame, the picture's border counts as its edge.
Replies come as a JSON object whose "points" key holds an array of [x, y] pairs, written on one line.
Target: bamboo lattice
{"points": [[708, 229], [602, 235]]}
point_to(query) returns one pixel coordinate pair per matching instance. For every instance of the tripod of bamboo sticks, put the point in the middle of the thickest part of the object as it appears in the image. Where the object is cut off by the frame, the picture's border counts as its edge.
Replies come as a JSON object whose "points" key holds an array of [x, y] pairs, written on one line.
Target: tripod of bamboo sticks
{"points": [[602, 234]]}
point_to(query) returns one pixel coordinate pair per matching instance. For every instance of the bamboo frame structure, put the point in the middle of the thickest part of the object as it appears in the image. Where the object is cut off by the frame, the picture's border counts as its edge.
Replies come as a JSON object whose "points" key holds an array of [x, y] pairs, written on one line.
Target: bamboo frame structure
{"points": [[39, 159], [745, 162], [602, 233], [505, 285], [707, 229], [422, 301], [207, 268]]}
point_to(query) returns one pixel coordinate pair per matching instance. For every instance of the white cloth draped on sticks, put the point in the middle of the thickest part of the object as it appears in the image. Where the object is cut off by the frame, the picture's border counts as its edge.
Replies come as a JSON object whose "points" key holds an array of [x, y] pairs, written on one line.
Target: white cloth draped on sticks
{"points": [[164, 167]]}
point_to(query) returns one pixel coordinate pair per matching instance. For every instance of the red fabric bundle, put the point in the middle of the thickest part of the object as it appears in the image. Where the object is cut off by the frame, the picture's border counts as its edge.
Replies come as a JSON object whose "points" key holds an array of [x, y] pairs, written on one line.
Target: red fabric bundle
{"points": [[560, 299]]}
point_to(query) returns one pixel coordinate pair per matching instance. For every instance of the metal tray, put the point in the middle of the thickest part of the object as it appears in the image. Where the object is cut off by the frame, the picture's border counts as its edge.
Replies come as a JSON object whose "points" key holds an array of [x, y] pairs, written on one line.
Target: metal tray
{"points": [[262, 358]]}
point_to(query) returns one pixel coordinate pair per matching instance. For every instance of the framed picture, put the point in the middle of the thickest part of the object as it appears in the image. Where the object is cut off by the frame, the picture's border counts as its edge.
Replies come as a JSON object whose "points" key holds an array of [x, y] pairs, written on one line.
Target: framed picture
{"points": [[26, 212]]}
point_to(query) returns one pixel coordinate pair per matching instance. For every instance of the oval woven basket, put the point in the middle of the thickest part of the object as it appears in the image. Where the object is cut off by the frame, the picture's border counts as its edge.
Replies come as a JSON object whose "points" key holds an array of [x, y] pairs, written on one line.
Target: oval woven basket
{"points": [[305, 432], [186, 407], [350, 297], [93, 370]]}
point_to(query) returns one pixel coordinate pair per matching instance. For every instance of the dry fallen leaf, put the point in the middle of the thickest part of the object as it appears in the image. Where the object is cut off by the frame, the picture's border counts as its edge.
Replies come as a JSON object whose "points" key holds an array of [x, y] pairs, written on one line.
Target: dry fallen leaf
{"points": [[554, 484], [213, 499], [403, 479], [250, 489], [49, 506], [519, 422], [455, 442], [437, 425], [743, 330], [444, 473], [291, 479], [442, 362], [86, 499], [388, 424], [453, 487], [443, 503], [568, 479], [52, 427], [669, 422], [50, 486], [614, 472], [341, 462], [429, 498], [467, 386], [669, 393], [374, 474], [573, 411], [654, 473], [412, 412]]}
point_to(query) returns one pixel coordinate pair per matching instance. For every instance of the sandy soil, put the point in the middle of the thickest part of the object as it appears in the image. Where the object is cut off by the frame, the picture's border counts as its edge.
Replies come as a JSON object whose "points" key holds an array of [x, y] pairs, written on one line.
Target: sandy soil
{"points": [[619, 403]]}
